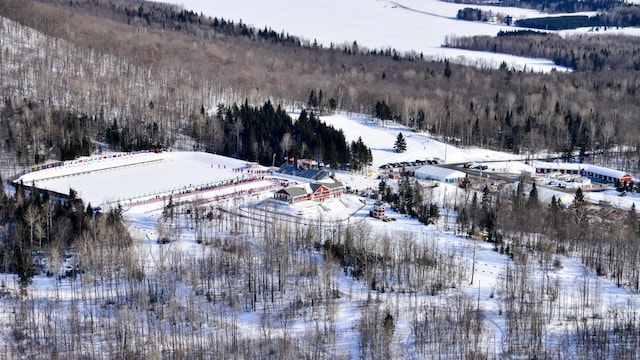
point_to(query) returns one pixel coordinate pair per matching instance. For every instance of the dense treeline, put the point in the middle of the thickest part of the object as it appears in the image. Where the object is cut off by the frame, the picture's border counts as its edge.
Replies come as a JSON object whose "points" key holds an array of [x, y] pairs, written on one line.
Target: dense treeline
{"points": [[503, 109], [553, 6], [244, 132], [35, 225], [36, 133], [240, 131], [40, 133], [265, 134], [411, 199], [472, 14], [558, 22], [582, 53], [620, 17]]}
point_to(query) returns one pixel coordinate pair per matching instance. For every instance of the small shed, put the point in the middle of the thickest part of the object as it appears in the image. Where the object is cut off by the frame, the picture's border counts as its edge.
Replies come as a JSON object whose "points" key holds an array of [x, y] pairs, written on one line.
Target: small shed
{"points": [[437, 173]]}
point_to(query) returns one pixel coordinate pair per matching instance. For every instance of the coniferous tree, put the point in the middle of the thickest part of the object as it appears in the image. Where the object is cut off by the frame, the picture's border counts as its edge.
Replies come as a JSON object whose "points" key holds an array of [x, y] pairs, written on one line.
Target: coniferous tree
{"points": [[400, 144], [360, 155], [312, 102], [382, 187], [383, 112], [333, 104], [518, 200], [579, 206], [533, 200], [447, 69]]}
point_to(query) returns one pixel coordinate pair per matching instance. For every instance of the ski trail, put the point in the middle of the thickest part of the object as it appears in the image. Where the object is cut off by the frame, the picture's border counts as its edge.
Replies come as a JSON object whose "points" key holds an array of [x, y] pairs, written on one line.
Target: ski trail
{"points": [[404, 7]]}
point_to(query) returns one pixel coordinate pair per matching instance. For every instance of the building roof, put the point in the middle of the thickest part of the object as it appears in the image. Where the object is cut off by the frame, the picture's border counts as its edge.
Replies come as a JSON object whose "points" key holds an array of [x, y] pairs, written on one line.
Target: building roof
{"points": [[559, 166], [438, 173], [309, 188], [313, 174], [333, 185], [581, 166], [294, 191], [315, 186], [606, 171]]}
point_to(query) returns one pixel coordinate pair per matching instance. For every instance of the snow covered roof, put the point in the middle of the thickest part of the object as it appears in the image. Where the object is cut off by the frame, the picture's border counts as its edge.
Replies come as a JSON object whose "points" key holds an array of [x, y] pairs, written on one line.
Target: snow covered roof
{"points": [[606, 171], [332, 185], [309, 188], [314, 174], [582, 167], [559, 166], [438, 173], [294, 190]]}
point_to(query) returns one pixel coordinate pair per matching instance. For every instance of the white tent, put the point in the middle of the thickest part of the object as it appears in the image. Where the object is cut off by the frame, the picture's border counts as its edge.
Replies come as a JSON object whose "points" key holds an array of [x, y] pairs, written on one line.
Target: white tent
{"points": [[430, 172]]}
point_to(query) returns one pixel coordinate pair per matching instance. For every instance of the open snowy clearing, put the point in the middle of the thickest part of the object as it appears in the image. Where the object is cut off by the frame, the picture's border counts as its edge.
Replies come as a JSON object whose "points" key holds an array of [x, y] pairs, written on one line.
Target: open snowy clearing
{"points": [[125, 178], [380, 137], [419, 26]]}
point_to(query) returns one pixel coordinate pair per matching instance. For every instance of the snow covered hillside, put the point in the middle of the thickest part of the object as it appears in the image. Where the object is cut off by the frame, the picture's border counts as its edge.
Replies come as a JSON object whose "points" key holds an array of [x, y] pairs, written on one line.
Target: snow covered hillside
{"points": [[380, 137], [420, 26]]}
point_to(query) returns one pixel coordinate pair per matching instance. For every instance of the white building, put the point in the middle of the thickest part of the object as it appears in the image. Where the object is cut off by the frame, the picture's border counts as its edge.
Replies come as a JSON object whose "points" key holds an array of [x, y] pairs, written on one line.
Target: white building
{"points": [[593, 172], [437, 173]]}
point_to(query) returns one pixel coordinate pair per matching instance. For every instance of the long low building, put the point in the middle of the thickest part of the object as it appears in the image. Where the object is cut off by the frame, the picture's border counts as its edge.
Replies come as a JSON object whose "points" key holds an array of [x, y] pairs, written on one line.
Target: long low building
{"points": [[593, 172], [437, 173]]}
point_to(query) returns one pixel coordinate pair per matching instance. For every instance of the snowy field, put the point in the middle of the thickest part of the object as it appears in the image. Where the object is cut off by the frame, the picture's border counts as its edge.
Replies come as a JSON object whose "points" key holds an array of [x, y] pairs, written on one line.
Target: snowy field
{"points": [[380, 137], [419, 26], [130, 178]]}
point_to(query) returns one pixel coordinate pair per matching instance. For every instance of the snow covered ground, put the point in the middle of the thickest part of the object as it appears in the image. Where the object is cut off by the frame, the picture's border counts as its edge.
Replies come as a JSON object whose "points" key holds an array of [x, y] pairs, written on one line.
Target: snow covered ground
{"points": [[380, 137], [419, 26], [99, 179], [125, 178]]}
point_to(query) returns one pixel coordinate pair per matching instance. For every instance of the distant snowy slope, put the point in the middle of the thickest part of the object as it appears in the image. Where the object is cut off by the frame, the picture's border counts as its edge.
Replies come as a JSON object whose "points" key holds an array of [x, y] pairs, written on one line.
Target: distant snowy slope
{"points": [[405, 25]]}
